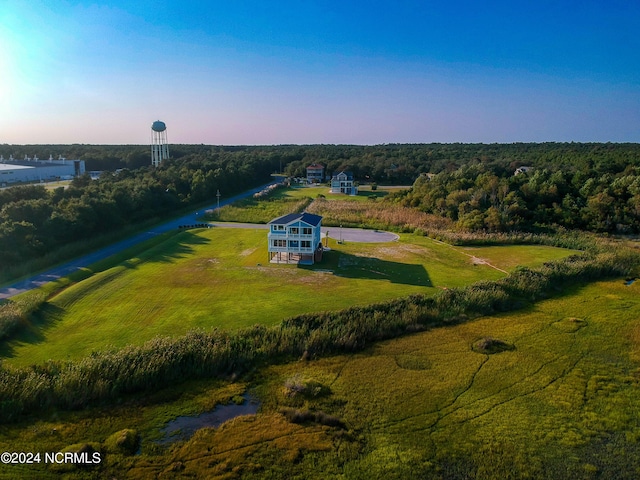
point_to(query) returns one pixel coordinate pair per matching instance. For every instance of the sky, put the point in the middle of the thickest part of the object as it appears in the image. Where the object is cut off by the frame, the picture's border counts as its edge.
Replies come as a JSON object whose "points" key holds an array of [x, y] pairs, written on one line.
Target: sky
{"points": [[248, 72]]}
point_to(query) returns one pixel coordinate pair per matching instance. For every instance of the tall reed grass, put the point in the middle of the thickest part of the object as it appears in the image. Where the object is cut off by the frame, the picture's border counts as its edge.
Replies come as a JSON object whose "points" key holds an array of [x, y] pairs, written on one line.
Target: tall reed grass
{"points": [[375, 214], [391, 216], [13, 312]]}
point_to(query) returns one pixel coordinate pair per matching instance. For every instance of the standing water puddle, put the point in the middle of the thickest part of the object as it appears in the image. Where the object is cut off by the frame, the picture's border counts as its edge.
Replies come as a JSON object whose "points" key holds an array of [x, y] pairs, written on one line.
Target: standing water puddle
{"points": [[182, 428]]}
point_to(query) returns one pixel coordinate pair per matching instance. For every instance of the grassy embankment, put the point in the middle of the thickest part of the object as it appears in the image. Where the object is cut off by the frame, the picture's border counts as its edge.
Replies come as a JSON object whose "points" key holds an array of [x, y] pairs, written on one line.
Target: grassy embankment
{"points": [[220, 278], [563, 403]]}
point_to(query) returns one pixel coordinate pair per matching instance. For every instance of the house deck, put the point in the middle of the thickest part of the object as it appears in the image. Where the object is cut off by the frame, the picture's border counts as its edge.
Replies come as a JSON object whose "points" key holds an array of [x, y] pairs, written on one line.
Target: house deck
{"points": [[295, 258]]}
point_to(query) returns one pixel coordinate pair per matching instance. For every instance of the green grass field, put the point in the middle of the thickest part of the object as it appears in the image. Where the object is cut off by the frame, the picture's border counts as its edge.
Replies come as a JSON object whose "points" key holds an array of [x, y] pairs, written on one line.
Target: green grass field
{"points": [[364, 193], [288, 200], [564, 403], [221, 278]]}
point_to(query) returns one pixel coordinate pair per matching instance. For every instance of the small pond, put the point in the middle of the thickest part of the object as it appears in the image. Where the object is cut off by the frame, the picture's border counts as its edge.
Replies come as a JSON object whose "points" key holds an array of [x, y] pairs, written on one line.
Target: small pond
{"points": [[182, 428], [629, 281]]}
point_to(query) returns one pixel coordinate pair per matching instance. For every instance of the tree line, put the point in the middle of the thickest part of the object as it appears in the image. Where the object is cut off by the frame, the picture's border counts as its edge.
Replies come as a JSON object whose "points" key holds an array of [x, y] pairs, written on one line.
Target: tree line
{"points": [[390, 163], [479, 197], [578, 186], [35, 221]]}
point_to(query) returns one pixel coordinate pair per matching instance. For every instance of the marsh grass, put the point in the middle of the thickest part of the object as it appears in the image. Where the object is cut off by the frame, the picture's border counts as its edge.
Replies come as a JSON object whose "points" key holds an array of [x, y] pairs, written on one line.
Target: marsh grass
{"points": [[550, 408], [563, 404], [135, 423], [374, 214]]}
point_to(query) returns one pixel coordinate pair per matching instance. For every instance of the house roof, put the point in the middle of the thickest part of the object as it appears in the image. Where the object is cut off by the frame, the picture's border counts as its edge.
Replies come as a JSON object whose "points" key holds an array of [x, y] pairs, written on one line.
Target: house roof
{"points": [[315, 166], [349, 175], [309, 218]]}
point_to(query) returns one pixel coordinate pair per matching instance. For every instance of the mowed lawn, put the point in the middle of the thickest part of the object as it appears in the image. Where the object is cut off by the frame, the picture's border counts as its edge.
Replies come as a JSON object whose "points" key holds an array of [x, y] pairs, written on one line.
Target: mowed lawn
{"points": [[221, 278]]}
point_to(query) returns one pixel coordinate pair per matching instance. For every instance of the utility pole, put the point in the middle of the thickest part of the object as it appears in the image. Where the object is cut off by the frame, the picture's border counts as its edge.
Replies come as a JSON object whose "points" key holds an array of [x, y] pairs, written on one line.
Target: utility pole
{"points": [[218, 195]]}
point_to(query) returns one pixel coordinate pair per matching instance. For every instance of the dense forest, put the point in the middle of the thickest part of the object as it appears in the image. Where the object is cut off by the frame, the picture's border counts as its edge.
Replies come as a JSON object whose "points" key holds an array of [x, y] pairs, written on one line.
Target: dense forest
{"points": [[582, 186], [393, 163], [491, 198]]}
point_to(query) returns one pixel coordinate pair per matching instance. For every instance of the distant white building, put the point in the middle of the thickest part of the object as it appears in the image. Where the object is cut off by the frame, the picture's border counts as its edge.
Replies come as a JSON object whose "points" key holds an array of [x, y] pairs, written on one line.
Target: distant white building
{"points": [[295, 238], [343, 183], [36, 170], [521, 170]]}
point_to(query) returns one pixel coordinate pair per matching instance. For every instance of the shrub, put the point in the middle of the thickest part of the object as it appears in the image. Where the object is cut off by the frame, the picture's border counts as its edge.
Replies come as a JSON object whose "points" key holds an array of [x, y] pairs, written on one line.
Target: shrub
{"points": [[125, 442], [297, 386], [306, 416], [490, 346]]}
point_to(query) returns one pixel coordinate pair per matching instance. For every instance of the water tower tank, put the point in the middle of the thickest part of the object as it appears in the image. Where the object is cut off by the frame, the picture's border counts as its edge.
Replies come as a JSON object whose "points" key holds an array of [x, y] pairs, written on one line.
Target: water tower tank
{"points": [[158, 126], [159, 145]]}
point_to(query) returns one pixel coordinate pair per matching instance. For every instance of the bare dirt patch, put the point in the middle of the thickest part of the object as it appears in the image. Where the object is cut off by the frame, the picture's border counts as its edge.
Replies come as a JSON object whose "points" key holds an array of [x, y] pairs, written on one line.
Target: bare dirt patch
{"points": [[479, 261], [400, 251], [293, 274]]}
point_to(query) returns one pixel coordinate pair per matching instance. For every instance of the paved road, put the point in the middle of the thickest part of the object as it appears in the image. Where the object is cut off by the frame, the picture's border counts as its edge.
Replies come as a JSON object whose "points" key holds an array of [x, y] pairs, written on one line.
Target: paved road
{"points": [[337, 233], [86, 260]]}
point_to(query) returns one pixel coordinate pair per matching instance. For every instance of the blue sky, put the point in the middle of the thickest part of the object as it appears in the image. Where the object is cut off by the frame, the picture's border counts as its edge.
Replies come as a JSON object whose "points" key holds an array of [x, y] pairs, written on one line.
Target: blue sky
{"points": [[250, 72]]}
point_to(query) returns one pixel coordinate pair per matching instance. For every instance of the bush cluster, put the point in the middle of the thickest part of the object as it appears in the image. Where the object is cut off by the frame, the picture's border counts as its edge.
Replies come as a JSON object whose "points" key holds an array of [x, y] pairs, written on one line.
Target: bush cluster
{"points": [[306, 416]]}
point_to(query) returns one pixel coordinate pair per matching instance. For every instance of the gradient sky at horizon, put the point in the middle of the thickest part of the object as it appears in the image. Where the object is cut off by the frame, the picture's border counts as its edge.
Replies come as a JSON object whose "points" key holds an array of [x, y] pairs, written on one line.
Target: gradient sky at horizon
{"points": [[307, 72]]}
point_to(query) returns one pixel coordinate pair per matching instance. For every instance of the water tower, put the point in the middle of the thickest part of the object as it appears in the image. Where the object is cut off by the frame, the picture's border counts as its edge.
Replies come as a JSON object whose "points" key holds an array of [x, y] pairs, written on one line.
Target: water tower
{"points": [[159, 146]]}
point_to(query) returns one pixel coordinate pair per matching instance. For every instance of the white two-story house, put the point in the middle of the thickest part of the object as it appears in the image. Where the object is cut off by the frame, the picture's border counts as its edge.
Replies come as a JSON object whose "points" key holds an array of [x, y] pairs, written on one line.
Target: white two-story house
{"points": [[295, 238], [343, 183]]}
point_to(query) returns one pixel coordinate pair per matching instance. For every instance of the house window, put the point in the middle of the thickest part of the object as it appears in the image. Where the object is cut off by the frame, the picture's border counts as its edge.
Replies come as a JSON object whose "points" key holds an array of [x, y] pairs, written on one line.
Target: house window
{"points": [[278, 228], [306, 231], [279, 243], [294, 230], [306, 244], [293, 243]]}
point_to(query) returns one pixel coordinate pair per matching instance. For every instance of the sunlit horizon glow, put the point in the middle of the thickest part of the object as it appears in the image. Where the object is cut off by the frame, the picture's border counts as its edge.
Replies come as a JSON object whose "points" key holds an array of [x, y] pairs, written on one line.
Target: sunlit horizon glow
{"points": [[259, 73]]}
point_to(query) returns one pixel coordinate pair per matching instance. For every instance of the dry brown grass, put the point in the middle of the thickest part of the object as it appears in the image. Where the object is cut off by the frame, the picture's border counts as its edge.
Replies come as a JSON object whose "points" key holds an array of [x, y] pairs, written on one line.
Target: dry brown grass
{"points": [[375, 214]]}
